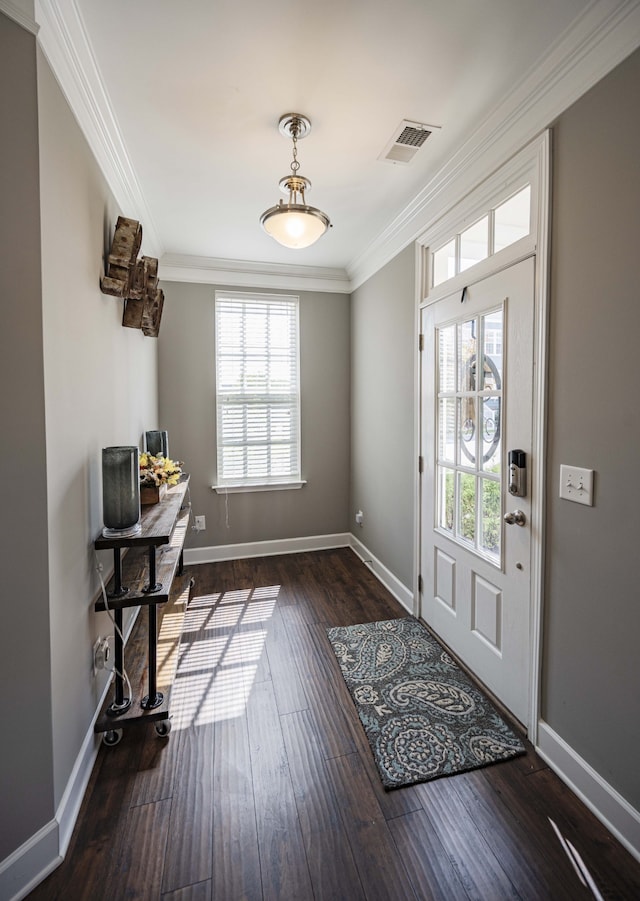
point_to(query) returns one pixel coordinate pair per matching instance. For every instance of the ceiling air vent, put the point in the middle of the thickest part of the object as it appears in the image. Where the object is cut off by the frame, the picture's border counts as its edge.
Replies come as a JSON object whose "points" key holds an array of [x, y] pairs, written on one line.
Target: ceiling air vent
{"points": [[407, 139]]}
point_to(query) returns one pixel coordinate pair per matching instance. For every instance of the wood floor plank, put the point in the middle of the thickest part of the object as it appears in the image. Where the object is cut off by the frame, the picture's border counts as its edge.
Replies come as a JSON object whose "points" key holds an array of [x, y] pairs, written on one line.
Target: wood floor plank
{"points": [[332, 720], [155, 776], [536, 868], [96, 840], [199, 892], [236, 867], [322, 827], [477, 868], [284, 870], [289, 693], [430, 869], [252, 641], [138, 870], [537, 797], [380, 865], [188, 858]]}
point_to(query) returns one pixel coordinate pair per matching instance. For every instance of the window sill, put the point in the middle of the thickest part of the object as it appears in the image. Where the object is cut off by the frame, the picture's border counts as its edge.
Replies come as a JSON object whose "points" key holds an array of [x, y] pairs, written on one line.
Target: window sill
{"points": [[267, 486]]}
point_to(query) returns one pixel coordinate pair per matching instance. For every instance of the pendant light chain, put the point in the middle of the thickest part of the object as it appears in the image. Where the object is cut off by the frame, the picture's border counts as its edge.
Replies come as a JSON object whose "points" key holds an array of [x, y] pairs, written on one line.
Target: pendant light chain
{"points": [[295, 165]]}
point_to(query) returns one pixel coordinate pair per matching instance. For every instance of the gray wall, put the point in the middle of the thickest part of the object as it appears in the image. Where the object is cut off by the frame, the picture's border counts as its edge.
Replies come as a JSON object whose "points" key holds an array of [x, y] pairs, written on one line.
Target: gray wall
{"points": [[100, 390], [592, 602], [187, 411], [383, 464], [26, 774], [74, 381]]}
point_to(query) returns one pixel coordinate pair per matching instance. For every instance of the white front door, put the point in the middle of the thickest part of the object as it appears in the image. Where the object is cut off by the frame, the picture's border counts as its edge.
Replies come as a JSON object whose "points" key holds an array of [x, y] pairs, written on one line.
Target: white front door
{"points": [[477, 403]]}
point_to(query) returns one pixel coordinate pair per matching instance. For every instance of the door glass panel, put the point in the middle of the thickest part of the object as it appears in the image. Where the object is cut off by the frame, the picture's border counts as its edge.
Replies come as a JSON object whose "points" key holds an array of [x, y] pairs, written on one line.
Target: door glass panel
{"points": [[447, 359], [469, 431], [444, 263], [446, 498], [467, 507], [492, 341], [474, 244], [490, 519], [467, 355], [491, 437], [512, 219], [447, 430], [492, 336]]}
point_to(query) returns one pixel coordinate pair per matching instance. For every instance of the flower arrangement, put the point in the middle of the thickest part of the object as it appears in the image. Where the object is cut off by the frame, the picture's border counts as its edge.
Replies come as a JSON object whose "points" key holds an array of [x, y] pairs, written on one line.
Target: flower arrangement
{"points": [[157, 471]]}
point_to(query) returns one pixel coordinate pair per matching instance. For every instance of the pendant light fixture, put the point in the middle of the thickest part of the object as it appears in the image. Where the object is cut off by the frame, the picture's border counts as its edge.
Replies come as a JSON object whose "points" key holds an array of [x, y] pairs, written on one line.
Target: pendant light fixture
{"points": [[294, 224]]}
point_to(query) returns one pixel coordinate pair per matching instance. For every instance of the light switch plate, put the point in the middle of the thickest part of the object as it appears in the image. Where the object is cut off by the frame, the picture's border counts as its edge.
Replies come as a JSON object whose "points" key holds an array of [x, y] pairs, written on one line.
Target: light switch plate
{"points": [[576, 484]]}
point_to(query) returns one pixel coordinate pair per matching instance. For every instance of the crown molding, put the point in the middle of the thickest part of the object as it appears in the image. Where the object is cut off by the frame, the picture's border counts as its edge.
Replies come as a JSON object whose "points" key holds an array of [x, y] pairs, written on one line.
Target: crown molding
{"points": [[246, 274], [66, 45], [605, 34], [18, 14]]}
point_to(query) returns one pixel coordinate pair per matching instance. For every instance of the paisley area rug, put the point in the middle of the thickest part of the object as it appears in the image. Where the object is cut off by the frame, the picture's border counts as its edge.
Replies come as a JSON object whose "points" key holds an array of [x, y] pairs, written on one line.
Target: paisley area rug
{"points": [[422, 715]]}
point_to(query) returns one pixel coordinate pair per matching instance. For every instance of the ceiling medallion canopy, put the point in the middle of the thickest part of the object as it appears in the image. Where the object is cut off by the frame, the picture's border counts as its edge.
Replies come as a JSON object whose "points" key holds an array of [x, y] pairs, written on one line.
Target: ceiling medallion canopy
{"points": [[294, 224]]}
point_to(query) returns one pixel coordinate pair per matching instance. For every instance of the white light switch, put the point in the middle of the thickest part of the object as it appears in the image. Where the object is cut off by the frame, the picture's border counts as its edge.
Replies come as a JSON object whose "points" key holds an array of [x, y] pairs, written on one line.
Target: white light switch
{"points": [[576, 484]]}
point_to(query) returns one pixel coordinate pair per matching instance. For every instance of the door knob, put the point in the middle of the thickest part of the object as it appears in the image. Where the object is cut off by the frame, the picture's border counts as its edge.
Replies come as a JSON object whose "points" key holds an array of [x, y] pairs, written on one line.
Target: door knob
{"points": [[516, 517]]}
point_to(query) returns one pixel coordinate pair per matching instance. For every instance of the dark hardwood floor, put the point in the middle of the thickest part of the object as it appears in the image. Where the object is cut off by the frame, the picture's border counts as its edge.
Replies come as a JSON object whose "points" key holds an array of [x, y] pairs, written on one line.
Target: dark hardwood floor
{"points": [[266, 788]]}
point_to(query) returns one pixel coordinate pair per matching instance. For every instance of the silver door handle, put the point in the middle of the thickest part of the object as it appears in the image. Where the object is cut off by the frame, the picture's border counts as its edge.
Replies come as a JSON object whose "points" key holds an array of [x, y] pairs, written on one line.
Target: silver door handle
{"points": [[516, 517]]}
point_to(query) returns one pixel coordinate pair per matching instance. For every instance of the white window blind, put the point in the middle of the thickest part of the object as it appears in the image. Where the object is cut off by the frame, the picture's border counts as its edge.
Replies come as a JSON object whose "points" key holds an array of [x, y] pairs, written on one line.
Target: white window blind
{"points": [[257, 389]]}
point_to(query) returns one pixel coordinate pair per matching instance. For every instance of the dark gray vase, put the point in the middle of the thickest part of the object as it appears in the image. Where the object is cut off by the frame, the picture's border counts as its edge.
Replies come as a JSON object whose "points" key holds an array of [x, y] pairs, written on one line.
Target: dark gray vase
{"points": [[120, 490], [157, 443]]}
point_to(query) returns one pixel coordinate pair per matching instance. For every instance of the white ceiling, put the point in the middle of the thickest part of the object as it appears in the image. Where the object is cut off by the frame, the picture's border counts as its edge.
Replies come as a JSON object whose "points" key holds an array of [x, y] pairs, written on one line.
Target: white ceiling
{"points": [[191, 93]]}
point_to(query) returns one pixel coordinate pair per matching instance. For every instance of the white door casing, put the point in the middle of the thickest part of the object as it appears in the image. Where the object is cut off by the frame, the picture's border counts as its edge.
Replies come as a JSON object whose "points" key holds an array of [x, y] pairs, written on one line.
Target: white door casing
{"points": [[477, 590]]}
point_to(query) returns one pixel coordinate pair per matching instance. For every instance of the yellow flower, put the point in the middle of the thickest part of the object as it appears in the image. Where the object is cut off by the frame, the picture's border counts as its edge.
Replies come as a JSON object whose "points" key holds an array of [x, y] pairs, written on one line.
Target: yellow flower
{"points": [[159, 470]]}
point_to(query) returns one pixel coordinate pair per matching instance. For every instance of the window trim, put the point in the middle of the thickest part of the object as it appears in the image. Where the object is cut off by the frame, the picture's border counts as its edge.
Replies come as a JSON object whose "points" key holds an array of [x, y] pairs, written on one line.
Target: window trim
{"points": [[258, 486], [254, 484]]}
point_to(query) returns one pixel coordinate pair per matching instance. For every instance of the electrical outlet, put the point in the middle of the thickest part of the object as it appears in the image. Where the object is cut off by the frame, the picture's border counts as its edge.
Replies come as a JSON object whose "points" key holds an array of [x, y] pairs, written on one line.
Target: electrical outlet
{"points": [[199, 523], [101, 651], [359, 517], [576, 484]]}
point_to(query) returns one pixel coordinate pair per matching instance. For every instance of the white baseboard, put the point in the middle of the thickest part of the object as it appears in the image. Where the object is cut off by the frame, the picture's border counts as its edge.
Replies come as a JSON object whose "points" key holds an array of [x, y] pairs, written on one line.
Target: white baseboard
{"points": [[400, 592], [220, 552], [30, 863], [69, 807], [36, 858], [620, 818]]}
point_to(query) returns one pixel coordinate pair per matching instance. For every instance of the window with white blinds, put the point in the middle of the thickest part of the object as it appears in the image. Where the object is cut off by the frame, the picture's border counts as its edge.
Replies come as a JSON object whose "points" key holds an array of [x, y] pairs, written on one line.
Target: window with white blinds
{"points": [[257, 389]]}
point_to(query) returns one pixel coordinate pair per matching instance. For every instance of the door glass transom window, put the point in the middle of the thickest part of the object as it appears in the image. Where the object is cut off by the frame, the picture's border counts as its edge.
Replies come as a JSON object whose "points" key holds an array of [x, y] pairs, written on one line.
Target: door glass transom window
{"points": [[502, 226]]}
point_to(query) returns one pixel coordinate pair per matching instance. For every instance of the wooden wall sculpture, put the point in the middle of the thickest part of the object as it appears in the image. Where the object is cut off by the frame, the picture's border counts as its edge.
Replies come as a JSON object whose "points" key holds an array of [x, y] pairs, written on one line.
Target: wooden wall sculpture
{"points": [[122, 258], [136, 281]]}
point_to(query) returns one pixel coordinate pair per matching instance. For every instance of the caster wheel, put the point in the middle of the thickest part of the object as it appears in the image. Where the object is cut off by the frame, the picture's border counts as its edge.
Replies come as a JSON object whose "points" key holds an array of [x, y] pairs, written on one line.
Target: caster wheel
{"points": [[112, 737], [163, 727]]}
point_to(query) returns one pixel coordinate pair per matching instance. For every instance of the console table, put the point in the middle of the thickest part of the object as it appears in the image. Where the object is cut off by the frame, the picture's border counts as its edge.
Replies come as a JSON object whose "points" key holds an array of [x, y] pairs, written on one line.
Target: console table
{"points": [[143, 576]]}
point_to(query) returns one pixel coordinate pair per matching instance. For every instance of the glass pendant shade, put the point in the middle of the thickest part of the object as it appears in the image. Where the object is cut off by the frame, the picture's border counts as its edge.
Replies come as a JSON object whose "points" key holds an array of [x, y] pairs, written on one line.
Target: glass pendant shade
{"points": [[294, 225], [120, 491], [157, 443]]}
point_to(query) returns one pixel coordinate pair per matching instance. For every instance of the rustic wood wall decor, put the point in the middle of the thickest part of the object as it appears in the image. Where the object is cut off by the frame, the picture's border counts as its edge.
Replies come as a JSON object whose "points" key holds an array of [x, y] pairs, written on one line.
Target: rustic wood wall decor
{"points": [[142, 293], [122, 257], [136, 281], [152, 315]]}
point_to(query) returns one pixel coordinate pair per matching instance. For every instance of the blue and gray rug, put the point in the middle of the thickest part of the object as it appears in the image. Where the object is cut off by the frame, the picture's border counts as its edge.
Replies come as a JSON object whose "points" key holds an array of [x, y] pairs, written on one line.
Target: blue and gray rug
{"points": [[423, 716]]}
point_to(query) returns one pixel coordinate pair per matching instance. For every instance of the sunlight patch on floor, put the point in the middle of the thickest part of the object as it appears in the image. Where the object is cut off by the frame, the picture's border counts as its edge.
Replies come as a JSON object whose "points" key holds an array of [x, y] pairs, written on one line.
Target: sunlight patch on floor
{"points": [[223, 639]]}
